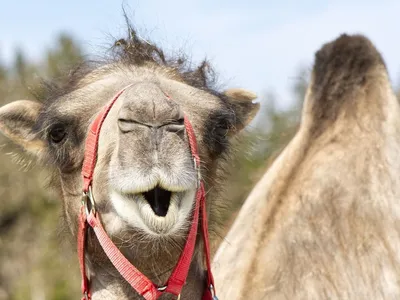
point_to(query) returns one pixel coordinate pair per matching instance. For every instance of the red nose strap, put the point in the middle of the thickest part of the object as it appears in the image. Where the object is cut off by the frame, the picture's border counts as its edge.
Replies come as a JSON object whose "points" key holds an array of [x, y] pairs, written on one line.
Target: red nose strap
{"points": [[143, 286]]}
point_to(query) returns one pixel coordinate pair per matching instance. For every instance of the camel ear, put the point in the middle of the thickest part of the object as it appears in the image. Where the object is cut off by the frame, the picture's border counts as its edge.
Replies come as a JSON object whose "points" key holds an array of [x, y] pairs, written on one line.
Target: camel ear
{"points": [[17, 121], [241, 101]]}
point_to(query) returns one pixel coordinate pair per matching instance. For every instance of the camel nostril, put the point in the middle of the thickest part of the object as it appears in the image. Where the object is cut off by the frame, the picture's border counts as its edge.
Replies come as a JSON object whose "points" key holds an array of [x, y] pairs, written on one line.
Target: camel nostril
{"points": [[126, 125], [176, 128]]}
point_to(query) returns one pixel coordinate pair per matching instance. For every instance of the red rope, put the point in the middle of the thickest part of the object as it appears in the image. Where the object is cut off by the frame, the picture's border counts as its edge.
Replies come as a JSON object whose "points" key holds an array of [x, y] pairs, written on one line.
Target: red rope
{"points": [[81, 252], [132, 275]]}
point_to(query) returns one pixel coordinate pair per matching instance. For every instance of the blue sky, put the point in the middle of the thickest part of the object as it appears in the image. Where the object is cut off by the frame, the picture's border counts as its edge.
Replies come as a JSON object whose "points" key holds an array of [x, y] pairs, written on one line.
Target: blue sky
{"points": [[256, 44]]}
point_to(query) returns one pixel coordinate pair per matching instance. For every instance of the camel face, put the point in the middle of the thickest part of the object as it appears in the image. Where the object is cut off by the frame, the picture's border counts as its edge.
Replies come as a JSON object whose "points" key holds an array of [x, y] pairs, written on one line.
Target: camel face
{"points": [[145, 157], [145, 176]]}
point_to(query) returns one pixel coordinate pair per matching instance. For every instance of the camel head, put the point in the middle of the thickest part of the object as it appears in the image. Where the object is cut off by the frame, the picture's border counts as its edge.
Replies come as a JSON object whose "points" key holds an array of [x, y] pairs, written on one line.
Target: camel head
{"points": [[145, 180]]}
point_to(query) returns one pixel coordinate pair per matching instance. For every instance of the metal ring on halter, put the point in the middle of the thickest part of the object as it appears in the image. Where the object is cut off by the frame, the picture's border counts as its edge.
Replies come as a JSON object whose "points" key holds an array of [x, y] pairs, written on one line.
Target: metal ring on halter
{"points": [[214, 297], [163, 288], [88, 195], [86, 295]]}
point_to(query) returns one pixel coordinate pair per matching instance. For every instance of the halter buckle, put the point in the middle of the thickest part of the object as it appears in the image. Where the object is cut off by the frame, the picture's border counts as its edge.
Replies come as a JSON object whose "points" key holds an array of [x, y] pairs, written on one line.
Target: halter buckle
{"points": [[88, 195]]}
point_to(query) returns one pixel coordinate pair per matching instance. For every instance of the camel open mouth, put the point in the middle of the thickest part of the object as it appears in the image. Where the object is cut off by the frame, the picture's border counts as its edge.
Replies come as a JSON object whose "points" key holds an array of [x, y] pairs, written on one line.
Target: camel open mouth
{"points": [[159, 200], [157, 211]]}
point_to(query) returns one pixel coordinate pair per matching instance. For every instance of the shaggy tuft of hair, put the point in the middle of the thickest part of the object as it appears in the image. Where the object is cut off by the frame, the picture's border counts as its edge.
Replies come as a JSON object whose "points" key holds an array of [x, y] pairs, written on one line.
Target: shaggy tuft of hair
{"points": [[135, 51]]}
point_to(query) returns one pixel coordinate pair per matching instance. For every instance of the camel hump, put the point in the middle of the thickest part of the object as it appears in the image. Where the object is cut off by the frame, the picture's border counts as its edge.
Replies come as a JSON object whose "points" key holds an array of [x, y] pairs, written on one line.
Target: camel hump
{"points": [[344, 71]]}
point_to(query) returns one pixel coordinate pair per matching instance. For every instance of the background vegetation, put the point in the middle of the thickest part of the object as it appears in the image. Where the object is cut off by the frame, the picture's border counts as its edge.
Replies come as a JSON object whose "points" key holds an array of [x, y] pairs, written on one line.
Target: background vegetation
{"points": [[34, 262]]}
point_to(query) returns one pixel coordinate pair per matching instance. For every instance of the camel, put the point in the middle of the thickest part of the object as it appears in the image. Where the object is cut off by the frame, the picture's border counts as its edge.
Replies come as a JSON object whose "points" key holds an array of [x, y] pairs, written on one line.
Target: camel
{"points": [[145, 179], [324, 220]]}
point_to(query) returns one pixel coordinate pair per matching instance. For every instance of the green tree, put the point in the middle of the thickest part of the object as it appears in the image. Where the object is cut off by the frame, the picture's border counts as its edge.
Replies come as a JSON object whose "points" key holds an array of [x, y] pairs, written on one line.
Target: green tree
{"points": [[3, 82], [3, 73], [30, 263], [269, 134], [66, 54], [20, 65]]}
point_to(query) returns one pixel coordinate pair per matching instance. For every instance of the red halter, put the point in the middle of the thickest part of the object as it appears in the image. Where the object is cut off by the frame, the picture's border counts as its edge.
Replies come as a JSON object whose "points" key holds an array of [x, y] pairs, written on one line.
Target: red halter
{"points": [[143, 286]]}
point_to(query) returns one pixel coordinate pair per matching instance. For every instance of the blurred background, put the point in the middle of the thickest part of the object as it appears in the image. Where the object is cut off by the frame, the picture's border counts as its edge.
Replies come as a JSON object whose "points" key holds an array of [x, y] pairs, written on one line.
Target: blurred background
{"points": [[264, 46]]}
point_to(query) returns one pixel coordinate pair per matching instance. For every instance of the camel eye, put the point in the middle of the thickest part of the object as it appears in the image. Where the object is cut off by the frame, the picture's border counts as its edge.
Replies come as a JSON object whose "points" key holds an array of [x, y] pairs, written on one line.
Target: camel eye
{"points": [[57, 133]]}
